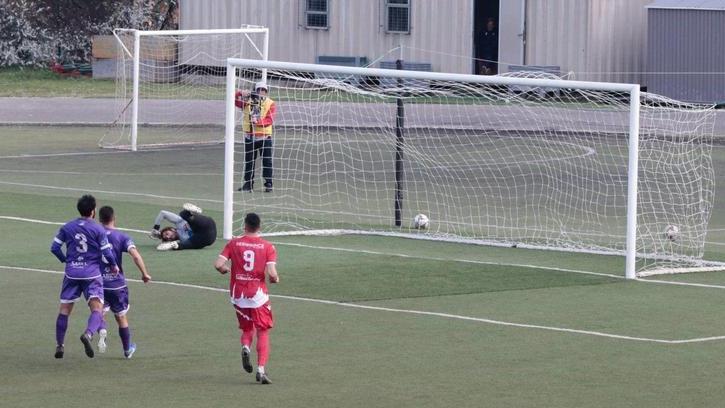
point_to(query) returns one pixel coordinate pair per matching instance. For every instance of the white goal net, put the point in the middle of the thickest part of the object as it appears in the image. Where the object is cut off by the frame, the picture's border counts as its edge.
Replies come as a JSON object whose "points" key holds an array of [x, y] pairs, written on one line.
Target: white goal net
{"points": [[170, 84], [531, 163]]}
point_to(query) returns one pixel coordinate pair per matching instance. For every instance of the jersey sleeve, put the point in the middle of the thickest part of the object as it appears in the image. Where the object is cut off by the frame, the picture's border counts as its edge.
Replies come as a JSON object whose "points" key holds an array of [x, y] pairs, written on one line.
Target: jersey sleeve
{"points": [[271, 254], [56, 246], [227, 251], [127, 243]]}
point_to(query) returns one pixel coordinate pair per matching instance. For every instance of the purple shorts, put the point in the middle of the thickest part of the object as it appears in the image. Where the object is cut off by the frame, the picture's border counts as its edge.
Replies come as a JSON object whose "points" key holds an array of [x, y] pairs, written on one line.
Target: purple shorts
{"points": [[72, 289], [116, 301]]}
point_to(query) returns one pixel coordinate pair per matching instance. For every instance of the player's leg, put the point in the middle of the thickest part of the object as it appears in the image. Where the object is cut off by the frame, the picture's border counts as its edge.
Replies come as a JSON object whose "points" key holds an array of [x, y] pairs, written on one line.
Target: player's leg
{"points": [[93, 291], [119, 305], [102, 331], [70, 292], [263, 322], [257, 146], [246, 327], [267, 168], [120, 311], [263, 349], [248, 163], [61, 326]]}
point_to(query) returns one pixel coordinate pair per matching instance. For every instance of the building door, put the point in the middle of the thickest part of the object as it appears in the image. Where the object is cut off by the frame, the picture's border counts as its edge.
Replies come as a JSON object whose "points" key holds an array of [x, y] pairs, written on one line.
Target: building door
{"points": [[485, 36], [495, 49]]}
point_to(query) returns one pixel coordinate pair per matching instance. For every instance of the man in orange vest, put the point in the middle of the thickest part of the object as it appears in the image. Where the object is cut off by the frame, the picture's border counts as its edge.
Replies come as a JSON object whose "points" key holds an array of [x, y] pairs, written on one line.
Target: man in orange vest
{"points": [[257, 119]]}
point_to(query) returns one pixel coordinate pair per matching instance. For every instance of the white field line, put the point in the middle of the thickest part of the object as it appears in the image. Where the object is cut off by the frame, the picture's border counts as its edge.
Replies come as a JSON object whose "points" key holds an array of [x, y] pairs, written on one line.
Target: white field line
{"points": [[363, 251], [148, 195], [422, 313], [96, 153], [112, 192], [85, 173]]}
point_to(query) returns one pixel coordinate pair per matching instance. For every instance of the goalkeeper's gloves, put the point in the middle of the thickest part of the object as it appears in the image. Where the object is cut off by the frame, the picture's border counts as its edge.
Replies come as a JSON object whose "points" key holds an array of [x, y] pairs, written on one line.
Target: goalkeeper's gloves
{"points": [[155, 234]]}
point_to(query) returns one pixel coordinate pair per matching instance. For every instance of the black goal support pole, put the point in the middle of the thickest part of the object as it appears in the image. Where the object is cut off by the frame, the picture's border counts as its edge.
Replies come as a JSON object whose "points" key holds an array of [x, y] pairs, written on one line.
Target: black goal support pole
{"points": [[399, 124]]}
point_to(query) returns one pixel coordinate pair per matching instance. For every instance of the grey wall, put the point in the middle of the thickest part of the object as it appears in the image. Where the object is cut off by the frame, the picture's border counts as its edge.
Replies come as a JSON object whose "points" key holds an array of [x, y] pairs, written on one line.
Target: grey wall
{"points": [[597, 40], [690, 44], [441, 30]]}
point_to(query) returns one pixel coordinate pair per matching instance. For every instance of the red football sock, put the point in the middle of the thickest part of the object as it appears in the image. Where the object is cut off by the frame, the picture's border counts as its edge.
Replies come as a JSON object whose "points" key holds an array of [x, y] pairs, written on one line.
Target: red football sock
{"points": [[262, 346], [246, 338]]}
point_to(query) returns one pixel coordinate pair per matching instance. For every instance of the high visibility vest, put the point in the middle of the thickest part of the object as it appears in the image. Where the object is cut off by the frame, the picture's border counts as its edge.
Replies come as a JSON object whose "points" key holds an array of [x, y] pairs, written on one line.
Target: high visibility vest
{"points": [[247, 122]]}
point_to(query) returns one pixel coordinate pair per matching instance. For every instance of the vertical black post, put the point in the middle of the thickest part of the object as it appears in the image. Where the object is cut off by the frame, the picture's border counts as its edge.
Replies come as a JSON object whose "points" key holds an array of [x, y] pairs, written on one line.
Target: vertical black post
{"points": [[399, 124]]}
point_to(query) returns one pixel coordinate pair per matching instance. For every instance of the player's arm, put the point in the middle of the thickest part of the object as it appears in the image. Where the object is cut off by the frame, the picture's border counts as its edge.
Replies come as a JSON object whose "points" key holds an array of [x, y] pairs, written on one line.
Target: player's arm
{"points": [[138, 260], [271, 271], [168, 216], [239, 98], [107, 250], [57, 246], [222, 264]]}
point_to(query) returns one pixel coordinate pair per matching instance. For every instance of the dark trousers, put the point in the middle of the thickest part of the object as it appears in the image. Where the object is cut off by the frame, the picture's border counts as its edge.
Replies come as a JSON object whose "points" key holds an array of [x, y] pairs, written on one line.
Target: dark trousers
{"points": [[203, 231], [253, 147]]}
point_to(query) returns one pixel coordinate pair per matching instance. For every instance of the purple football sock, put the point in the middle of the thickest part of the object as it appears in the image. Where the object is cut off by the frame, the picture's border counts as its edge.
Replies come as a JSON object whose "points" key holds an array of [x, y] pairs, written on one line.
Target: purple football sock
{"points": [[102, 326], [125, 333], [94, 322], [61, 325]]}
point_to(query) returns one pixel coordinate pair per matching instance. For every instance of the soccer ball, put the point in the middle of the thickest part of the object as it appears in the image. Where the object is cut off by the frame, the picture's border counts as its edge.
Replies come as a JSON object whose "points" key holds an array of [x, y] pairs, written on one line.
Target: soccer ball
{"points": [[672, 232], [420, 221]]}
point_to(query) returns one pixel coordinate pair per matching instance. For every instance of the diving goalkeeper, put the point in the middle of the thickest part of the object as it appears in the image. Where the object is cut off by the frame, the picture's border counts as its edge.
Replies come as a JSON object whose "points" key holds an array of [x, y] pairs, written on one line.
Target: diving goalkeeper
{"points": [[191, 230]]}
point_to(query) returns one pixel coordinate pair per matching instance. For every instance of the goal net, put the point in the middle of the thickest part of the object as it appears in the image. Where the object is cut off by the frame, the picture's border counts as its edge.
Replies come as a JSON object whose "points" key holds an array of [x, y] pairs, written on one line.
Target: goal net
{"points": [[170, 84], [530, 163]]}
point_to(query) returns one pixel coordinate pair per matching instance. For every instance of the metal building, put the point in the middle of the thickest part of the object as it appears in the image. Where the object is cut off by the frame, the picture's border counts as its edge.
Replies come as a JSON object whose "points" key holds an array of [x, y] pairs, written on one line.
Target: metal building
{"points": [[595, 39], [685, 55]]}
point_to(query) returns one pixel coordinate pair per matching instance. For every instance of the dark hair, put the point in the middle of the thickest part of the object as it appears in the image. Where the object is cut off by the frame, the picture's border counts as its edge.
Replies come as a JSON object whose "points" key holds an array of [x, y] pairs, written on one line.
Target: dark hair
{"points": [[105, 214], [252, 222], [86, 205], [168, 229]]}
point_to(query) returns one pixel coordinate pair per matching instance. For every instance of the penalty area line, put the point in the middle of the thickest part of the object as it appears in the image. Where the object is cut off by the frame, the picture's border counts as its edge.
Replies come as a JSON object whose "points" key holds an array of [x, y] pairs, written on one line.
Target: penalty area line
{"points": [[420, 313]]}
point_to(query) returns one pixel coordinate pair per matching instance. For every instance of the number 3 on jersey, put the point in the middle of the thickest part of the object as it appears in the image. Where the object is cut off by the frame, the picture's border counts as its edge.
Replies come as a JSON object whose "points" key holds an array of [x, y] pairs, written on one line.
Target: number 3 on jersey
{"points": [[248, 257], [82, 243]]}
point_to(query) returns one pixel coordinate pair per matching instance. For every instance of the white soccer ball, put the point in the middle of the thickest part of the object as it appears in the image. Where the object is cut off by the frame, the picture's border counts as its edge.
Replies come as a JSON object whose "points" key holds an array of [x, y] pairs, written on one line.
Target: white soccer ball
{"points": [[672, 232], [420, 221]]}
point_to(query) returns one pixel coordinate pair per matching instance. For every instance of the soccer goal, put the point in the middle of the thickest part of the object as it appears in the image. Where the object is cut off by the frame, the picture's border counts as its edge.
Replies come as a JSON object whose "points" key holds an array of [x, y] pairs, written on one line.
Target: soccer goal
{"points": [[170, 84], [517, 162]]}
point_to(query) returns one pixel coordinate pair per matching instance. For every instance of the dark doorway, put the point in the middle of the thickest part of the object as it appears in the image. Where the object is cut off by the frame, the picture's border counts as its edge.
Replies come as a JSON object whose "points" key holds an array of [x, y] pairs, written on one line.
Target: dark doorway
{"points": [[485, 44]]}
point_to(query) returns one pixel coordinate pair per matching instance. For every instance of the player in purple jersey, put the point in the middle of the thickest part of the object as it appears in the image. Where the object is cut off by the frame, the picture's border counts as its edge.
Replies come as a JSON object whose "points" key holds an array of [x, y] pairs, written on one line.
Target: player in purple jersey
{"points": [[114, 284], [85, 246]]}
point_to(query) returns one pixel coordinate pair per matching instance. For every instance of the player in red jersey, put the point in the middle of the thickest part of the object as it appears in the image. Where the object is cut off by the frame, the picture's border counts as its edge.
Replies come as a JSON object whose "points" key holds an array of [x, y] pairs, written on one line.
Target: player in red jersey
{"points": [[252, 259]]}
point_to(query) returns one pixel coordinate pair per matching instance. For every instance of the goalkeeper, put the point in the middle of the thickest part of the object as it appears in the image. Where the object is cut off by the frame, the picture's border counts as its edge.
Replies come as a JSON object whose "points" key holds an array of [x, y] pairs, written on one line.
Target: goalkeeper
{"points": [[191, 230], [257, 119]]}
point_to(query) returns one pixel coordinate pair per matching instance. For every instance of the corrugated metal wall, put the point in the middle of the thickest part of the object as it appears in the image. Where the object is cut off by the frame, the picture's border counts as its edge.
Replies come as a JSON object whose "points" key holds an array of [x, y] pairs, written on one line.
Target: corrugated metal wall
{"points": [[599, 40], [442, 27], [696, 54]]}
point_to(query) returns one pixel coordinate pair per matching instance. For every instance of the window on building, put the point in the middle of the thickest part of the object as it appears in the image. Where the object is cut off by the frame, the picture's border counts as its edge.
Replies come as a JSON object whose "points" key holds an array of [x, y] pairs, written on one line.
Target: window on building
{"points": [[316, 13], [398, 16]]}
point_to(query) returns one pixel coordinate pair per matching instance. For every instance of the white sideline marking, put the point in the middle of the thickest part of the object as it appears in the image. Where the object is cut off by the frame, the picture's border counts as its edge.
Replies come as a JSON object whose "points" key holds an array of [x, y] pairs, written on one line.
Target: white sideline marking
{"points": [[420, 312]]}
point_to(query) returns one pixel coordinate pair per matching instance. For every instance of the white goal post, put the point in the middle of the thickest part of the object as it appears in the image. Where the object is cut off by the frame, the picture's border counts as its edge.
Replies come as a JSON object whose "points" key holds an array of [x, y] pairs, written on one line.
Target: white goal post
{"points": [[546, 200], [159, 57]]}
